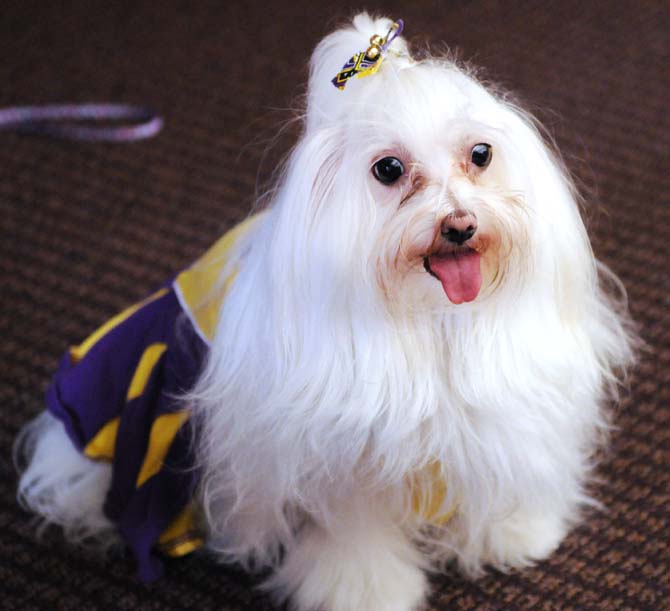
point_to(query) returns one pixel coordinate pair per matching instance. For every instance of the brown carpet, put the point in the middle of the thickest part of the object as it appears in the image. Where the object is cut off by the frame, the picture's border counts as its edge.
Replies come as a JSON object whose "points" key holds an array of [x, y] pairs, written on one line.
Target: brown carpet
{"points": [[88, 228]]}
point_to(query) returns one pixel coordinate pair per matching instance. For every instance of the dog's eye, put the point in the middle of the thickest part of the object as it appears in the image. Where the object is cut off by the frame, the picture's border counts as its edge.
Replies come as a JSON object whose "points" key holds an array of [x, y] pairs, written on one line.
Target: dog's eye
{"points": [[388, 170], [481, 154]]}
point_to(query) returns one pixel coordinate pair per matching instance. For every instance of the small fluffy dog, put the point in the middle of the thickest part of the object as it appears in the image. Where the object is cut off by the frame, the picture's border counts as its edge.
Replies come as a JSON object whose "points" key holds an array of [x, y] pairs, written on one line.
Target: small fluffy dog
{"points": [[405, 358]]}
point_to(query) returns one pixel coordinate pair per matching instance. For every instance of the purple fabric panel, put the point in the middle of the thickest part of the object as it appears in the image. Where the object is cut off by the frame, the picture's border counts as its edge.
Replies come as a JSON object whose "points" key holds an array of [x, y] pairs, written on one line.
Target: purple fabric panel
{"points": [[174, 373], [62, 408], [142, 514], [132, 440], [152, 507], [88, 394]]}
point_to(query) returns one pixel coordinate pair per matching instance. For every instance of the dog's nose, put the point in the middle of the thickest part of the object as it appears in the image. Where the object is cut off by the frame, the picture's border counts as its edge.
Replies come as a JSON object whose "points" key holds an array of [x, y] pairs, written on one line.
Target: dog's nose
{"points": [[459, 226]]}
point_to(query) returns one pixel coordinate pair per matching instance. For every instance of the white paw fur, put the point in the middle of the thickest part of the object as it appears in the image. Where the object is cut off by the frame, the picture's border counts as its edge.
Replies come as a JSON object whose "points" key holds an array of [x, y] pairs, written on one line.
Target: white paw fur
{"points": [[61, 485]]}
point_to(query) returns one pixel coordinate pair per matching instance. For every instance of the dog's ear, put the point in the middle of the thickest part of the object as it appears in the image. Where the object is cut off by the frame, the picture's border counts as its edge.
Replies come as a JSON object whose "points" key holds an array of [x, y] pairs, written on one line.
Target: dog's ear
{"points": [[325, 102], [564, 260]]}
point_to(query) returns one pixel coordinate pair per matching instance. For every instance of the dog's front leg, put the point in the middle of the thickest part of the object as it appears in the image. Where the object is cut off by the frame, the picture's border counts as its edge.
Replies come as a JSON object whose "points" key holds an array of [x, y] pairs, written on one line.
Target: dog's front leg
{"points": [[360, 561], [524, 537]]}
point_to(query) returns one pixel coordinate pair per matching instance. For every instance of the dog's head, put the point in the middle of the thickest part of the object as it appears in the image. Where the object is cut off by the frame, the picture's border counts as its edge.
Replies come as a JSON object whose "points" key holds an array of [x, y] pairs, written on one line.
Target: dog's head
{"points": [[422, 182]]}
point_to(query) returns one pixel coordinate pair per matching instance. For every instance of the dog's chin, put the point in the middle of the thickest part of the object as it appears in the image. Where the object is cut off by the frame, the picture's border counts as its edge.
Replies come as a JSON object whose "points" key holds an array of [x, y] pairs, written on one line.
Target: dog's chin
{"points": [[458, 269]]}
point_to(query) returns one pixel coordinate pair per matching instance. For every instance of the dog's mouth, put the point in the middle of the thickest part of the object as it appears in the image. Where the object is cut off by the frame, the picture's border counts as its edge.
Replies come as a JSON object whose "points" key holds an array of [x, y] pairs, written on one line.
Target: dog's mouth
{"points": [[459, 272]]}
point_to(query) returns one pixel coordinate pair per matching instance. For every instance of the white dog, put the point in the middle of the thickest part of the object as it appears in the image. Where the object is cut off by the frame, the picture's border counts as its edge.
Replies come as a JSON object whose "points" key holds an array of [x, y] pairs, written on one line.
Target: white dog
{"points": [[410, 365]]}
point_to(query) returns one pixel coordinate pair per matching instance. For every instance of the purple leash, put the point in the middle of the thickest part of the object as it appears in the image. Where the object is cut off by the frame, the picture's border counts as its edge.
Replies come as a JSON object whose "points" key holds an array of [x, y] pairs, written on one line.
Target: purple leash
{"points": [[67, 121]]}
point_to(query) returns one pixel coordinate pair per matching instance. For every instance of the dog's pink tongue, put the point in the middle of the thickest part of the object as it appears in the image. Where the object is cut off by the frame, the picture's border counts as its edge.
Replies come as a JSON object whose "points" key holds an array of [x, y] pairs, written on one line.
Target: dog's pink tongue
{"points": [[459, 274]]}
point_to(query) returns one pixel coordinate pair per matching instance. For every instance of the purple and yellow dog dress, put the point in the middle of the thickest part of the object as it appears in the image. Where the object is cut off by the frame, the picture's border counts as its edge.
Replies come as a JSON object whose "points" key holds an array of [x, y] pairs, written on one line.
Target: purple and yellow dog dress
{"points": [[117, 393]]}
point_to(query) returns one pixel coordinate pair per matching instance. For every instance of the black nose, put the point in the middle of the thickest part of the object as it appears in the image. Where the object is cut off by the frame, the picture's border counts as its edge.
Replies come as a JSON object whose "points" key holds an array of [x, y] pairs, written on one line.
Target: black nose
{"points": [[458, 227]]}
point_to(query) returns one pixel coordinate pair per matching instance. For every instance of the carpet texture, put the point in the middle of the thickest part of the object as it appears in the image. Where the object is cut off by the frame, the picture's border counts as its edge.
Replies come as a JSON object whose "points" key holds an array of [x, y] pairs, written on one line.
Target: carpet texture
{"points": [[88, 228]]}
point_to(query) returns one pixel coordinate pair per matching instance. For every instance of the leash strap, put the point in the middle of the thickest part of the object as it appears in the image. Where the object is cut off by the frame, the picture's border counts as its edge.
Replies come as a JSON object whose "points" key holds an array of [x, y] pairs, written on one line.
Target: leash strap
{"points": [[69, 121]]}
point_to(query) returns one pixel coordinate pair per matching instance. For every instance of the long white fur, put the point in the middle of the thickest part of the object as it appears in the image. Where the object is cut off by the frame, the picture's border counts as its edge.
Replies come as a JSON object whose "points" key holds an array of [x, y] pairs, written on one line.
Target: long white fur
{"points": [[340, 375], [61, 485]]}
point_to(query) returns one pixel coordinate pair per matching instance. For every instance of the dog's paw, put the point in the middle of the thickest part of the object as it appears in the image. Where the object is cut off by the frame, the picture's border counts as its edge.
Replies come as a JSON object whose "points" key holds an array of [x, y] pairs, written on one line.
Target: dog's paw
{"points": [[326, 575], [523, 538]]}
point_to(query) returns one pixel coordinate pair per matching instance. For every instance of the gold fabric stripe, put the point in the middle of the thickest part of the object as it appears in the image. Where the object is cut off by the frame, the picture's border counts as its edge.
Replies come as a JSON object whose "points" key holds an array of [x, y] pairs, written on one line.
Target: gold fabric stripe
{"points": [[429, 508], [190, 543], [79, 352], [201, 286], [181, 537], [442, 519], [163, 431], [101, 447], [150, 357]]}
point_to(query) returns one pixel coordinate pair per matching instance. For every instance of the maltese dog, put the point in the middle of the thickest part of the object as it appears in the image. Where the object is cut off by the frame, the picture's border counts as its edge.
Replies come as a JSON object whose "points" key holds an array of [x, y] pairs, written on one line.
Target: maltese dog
{"points": [[403, 361]]}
